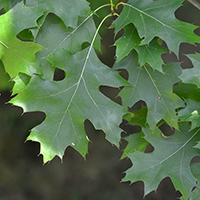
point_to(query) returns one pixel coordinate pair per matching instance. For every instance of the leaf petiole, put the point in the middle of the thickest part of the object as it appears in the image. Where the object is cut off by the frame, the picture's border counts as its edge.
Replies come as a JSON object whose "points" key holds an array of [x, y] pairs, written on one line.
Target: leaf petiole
{"points": [[112, 5], [119, 3]]}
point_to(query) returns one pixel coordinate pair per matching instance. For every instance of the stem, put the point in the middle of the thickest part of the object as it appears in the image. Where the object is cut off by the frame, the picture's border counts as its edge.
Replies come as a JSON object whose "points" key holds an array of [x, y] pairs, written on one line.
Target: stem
{"points": [[82, 72], [85, 63], [108, 4], [120, 3], [112, 5]]}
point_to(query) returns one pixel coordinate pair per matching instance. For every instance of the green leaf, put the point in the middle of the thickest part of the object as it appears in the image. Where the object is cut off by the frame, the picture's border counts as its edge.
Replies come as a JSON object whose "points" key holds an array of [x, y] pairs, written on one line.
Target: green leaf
{"points": [[187, 91], [21, 81], [68, 10], [191, 113], [8, 4], [69, 102], [171, 158], [137, 117], [20, 17], [153, 87], [150, 53], [45, 36], [157, 19], [192, 75], [136, 142], [5, 83], [195, 171], [130, 40], [197, 145], [18, 56], [54, 36]]}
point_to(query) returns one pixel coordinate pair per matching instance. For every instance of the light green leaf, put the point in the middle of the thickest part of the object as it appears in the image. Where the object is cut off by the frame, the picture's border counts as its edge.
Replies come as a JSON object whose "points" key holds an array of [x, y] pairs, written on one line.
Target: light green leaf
{"points": [[153, 87], [20, 17], [171, 158], [69, 102], [157, 19], [21, 81], [18, 56]]}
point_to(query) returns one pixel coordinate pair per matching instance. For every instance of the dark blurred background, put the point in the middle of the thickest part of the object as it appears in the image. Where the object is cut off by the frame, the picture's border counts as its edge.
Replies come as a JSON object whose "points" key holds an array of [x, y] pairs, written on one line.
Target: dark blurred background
{"points": [[22, 173]]}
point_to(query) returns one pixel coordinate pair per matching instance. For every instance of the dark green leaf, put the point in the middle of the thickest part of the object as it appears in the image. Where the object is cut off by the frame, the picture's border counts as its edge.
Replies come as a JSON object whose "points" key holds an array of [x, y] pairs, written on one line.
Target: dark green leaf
{"points": [[157, 19], [191, 113], [187, 91], [54, 36], [136, 142], [69, 102], [153, 87], [130, 40], [68, 10], [137, 117], [171, 158], [196, 172], [192, 75], [150, 53]]}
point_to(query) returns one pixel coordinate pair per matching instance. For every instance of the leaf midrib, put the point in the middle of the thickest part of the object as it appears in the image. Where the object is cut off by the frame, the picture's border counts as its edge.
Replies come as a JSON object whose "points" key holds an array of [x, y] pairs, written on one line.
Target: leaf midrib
{"points": [[79, 80]]}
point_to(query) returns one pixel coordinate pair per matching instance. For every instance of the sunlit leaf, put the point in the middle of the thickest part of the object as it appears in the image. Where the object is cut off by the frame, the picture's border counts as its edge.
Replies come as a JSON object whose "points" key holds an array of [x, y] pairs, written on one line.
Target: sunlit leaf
{"points": [[18, 56]]}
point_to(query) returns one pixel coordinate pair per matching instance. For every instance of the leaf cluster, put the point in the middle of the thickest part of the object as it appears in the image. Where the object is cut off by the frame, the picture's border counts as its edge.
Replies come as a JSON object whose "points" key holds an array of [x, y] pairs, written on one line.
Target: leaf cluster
{"points": [[39, 37]]}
